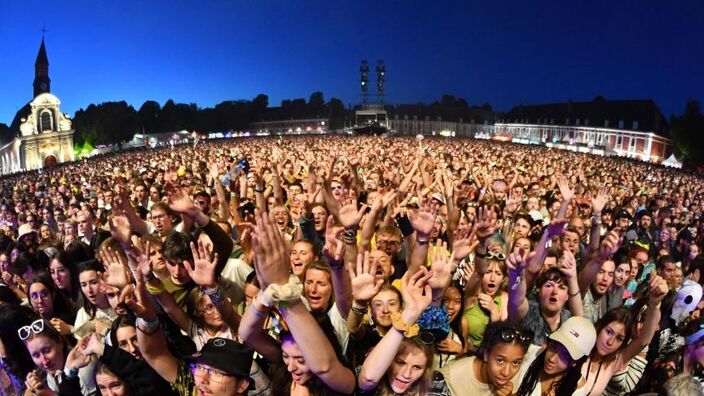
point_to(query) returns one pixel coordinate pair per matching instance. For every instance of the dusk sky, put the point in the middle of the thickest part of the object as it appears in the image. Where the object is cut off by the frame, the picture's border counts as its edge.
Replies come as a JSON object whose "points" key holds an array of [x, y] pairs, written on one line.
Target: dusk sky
{"points": [[205, 52]]}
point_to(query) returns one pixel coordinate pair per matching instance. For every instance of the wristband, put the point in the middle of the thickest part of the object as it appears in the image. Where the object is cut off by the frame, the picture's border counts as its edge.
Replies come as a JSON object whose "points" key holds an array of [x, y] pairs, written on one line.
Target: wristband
{"points": [[148, 324], [349, 237], [282, 295], [71, 373], [402, 327], [575, 294], [655, 307], [421, 240], [336, 264], [404, 223], [357, 309]]}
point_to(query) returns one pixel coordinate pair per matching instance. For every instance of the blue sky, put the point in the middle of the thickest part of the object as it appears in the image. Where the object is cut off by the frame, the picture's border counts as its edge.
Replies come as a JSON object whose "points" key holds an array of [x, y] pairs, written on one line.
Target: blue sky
{"points": [[204, 52]]}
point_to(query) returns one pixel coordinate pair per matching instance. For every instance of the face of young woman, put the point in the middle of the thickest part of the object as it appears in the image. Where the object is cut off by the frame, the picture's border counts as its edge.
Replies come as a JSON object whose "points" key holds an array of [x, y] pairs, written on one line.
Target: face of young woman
{"points": [[127, 341], [622, 273], [610, 338], [210, 314], [41, 299], [383, 305], [90, 286], [295, 362], [492, 278], [452, 301], [4, 262], [60, 275], [406, 370], [109, 385], [557, 359], [521, 243], [46, 353], [317, 289], [503, 362], [301, 255]]}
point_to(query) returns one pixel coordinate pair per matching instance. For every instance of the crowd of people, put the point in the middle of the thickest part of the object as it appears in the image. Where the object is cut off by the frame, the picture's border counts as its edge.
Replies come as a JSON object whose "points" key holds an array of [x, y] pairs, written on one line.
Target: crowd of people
{"points": [[351, 266]]}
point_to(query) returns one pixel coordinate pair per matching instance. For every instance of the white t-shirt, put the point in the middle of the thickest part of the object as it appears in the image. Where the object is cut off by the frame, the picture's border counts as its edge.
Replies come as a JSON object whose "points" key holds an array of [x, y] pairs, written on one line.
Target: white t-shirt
{"points": [[200, 337], [81, 327], [232, 279]]}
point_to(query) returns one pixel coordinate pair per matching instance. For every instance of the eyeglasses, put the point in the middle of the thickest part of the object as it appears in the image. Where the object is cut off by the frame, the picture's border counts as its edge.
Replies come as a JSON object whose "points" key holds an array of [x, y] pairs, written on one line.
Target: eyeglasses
{"points": [[36, 327], [388, 243], [214, 375], [39, 295], [208, 308], [510, 335], [495, 256], [336, 188]]}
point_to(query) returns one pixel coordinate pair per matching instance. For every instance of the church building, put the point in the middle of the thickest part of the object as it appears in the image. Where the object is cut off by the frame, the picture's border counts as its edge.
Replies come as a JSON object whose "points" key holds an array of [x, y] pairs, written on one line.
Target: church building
{"points": [[43, 134]]}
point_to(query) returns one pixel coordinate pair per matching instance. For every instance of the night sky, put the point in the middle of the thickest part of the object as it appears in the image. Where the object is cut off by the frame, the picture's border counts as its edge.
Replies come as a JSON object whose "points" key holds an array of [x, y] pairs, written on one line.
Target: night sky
{"points": [[204, 52]]}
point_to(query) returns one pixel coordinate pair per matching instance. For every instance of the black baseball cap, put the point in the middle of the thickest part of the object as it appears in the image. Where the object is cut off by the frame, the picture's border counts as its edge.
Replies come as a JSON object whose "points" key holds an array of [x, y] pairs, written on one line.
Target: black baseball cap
{"points": [[228, 356]]}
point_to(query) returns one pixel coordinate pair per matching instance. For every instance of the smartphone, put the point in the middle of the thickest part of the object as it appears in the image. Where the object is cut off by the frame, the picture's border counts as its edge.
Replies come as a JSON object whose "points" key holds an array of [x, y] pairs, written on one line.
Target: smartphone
{"points": [[243, 165]]}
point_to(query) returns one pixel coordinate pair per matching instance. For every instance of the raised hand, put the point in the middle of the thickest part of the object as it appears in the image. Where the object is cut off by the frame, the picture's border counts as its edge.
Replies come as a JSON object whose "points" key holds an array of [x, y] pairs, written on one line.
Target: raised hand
{"points": [[563, 184], [120, 229], [487, 223], [657, 289], [334, 247], [599, 201], [609, 245], [35, 385], [140, 301], [464, 243], [93, 346], [270, 252], [202, 271], [556, 227], [516, 263], [350, 215], [75, 359], [365, 285], [416, 293], [567, 264], [117, 272], [423, 220], [441, 266], [513, 200], [181, 202]]}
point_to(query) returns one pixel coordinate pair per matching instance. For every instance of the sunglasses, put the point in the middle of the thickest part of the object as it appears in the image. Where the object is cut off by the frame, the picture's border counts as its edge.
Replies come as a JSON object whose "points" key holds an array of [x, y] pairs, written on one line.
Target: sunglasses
{"points": [[36, 327], [510, 335], [336, 188], [495, 256]]}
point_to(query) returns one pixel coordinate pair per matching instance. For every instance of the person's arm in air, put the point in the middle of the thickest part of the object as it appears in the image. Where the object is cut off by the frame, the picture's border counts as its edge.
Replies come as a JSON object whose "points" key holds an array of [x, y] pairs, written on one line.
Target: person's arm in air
{"points": [[568, 266], [517, 302], [417, 295], [598, 204], [607, 248], [422, 222], [657, 290]]}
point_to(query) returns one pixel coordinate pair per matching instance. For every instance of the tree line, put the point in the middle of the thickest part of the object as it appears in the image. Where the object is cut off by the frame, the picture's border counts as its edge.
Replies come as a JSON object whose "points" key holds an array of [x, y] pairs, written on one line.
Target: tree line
{"points": [[113, 122]]}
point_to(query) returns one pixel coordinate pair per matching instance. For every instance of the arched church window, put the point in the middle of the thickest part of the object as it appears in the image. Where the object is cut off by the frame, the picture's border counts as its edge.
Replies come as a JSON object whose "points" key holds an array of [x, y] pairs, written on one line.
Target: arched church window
{"points": [[45, 121]]}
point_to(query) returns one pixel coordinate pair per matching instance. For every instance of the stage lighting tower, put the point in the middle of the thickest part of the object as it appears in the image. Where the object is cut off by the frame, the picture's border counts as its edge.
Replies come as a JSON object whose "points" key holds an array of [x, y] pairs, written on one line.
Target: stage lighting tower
{"points": [[380, 79], [364, 80]]}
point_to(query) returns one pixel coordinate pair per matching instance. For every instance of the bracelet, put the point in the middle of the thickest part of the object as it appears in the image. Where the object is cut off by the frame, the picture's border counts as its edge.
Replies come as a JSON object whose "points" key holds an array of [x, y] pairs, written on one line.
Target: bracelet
{"points": [[575, 294], [357, 309], [146, 332], [420, 240], [402, 327], [259, 191], [480, 255], [336, 264], [282, 295], [656, 307], [349, 237]]}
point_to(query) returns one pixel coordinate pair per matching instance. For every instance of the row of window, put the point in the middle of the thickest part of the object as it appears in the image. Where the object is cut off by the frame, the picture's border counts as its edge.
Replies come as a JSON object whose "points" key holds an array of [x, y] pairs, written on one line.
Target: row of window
{"points": [[577, 122]]}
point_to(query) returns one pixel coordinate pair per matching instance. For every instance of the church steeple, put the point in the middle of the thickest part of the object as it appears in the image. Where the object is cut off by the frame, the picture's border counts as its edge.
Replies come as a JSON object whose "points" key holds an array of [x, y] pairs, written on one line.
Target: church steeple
{"points": [[41, 72]]}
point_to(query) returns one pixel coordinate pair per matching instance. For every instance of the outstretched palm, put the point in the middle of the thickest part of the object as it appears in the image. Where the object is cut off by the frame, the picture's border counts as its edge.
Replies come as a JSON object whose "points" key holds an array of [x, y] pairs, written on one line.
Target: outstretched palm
{"points": [[202, 271], [364, 284]]}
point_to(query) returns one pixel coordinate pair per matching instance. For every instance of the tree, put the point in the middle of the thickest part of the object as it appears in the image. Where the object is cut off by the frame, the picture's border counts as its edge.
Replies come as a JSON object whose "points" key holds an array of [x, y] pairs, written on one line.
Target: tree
{"points": [[687, 133], [148, 116]]}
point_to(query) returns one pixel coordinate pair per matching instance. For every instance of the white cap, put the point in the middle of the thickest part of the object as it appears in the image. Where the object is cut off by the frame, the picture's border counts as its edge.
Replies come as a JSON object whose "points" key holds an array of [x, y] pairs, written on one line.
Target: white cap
{"points": [[577, 335]]}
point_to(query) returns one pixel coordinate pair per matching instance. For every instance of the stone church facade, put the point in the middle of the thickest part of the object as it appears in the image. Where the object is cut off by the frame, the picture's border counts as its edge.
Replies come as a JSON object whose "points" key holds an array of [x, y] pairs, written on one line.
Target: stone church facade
{"points": [[44, 136]]}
